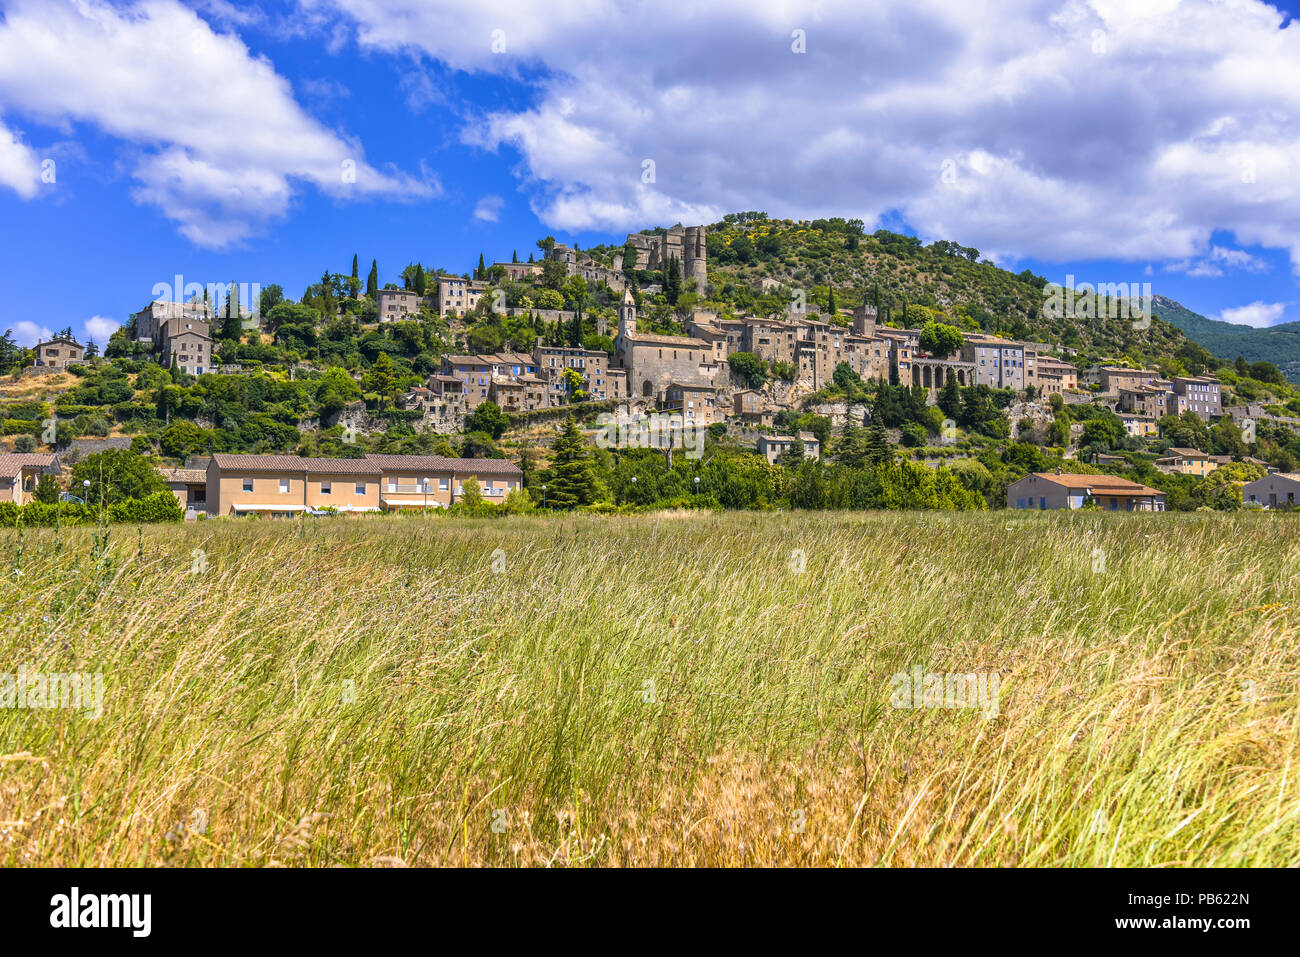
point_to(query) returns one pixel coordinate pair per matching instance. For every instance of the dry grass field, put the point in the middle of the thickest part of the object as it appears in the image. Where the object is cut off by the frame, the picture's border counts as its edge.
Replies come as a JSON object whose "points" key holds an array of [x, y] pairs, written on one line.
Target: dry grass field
{"points": [[656, 690]]}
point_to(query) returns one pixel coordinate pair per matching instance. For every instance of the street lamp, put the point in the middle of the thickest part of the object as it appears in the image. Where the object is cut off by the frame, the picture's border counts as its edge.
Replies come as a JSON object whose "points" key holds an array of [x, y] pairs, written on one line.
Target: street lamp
{"points": [[543, 496], [697, 485]]}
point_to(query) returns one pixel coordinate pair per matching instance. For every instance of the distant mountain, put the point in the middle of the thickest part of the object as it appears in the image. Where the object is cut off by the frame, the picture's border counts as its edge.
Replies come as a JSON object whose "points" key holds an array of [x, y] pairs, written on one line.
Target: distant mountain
{"points": [[1278, 344]]}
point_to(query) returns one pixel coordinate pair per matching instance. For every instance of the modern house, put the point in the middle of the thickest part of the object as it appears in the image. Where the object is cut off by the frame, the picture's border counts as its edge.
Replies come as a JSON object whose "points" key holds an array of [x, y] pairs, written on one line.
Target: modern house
{"points": [[435, 481], [285, 485], [1044, 490], [19, 473], [190, 486], [1271, 491]]}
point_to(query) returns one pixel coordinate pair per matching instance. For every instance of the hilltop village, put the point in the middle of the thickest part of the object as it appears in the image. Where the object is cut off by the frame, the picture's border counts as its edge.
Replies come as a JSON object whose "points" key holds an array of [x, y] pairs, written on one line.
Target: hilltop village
{"points": [[359, 397]]}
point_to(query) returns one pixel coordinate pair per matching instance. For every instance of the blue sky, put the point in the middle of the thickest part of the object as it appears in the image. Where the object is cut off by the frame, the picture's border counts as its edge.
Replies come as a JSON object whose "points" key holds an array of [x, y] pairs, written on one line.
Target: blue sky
{"points": [[1138, 141]]}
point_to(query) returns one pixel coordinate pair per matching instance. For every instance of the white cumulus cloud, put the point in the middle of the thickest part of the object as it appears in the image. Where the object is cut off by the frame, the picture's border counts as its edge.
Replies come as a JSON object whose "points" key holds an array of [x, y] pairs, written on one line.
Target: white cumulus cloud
{"points": [[27, 333], [220, 144], [1257, 314], [1062, 129], [100, 328], [488, 209]]}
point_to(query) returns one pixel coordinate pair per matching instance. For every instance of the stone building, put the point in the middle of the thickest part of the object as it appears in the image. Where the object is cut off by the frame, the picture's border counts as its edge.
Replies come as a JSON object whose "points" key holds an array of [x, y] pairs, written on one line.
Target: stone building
{"points": [[395, 304], [457, 295], [653, 362], [1199, 394], [59, 353], [696, 402], [687, 244]]}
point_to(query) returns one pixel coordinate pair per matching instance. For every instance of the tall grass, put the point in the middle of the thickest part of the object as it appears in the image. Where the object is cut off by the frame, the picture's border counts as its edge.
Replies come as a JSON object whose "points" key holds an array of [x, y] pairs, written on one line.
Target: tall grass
{"points": [[657, 689]]}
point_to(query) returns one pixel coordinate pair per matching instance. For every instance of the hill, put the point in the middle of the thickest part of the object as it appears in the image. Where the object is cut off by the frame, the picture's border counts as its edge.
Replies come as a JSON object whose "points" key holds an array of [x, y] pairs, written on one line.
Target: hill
{"points": [[1279, 344], [899, 273]]}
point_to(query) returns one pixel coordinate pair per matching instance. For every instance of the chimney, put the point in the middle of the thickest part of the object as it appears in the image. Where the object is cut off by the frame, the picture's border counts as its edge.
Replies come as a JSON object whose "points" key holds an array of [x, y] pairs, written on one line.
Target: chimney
{"points": [[1058, 470]]}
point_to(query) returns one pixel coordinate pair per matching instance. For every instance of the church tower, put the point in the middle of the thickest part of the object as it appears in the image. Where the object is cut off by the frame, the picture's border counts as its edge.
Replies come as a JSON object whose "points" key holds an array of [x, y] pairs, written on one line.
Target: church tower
{"points": [[627, 315]]}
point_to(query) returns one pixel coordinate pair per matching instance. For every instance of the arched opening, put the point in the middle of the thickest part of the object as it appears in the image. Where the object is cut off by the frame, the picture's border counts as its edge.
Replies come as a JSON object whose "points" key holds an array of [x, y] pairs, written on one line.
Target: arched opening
{"points": [[648, 389]]}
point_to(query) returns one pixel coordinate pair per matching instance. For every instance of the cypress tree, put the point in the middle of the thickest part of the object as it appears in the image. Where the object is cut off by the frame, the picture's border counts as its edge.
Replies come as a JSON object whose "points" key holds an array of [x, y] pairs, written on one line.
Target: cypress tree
{"points": [[372, 281]]}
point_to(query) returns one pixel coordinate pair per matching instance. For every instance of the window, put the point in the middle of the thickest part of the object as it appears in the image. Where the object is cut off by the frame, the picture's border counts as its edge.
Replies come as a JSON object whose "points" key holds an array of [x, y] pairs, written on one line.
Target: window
{"points": [[443, 484], [326, 488], [284, 486], [248, 485], [392, 485], [361, 488]]}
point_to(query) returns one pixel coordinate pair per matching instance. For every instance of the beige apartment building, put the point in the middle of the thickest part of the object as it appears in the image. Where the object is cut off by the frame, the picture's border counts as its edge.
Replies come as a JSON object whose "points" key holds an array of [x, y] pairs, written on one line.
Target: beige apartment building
{"points": [[19, 473], [1055, 376], [434, 481], [286, 485]]}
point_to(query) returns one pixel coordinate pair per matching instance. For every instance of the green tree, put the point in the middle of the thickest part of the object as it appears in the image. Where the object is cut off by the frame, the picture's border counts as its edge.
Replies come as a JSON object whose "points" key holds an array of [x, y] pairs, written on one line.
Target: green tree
{"points": [[673, 280], [47, 489], [380, 379], [117, 474], [270, 297], [940, 340], [183, 438], [574, 481], [470, 493], [749, 367], [488, 418], [878, 447], [372, 281]]}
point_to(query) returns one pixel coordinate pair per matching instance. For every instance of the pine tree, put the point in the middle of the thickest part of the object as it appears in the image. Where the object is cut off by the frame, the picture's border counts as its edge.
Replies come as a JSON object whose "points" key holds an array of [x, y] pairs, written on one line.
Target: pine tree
{"points": [[574, 480], [878, 449], [372, 281]]}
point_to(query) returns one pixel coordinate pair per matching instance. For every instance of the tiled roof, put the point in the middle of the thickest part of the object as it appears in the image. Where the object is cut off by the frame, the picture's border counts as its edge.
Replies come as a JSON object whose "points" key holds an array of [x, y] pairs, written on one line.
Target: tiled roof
{"points": [[294, 463], [1107, 483], [441, 463], [11, 463], [183, 475], [683, 341]]}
